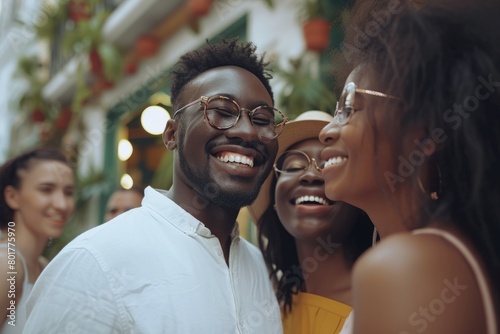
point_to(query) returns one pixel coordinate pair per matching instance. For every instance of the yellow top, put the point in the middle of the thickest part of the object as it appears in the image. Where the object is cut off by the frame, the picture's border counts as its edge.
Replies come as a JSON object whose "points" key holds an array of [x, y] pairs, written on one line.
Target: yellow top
{"points": [[313, 314]]}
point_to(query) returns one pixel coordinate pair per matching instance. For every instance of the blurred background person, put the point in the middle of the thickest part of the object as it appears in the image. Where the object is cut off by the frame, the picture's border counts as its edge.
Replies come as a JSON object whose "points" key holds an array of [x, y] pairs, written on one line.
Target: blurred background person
{"points": [[309, 242], [123, 200], [36, 202]]}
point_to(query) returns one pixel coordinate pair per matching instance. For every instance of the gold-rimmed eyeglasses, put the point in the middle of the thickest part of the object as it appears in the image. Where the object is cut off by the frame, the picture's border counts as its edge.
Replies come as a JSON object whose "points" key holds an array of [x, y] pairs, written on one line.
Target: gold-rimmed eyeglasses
{"points": [[346, 105], [295, 162], [223, 113]]}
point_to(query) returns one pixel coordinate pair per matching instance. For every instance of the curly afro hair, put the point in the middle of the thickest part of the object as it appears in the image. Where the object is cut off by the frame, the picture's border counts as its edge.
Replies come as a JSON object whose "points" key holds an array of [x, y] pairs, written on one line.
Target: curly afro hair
{"points": [[224, 53]]}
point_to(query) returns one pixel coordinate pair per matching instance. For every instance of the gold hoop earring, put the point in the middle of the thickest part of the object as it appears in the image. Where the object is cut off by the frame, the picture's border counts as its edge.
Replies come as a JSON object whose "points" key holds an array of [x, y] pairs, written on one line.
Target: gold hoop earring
{"points": [[434, 195]]}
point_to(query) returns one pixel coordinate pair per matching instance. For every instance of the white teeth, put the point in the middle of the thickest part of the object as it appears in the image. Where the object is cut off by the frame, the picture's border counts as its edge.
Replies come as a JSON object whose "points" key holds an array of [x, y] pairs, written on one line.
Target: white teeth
{"points": [[335, 161], [306, 198], [241, 159]]}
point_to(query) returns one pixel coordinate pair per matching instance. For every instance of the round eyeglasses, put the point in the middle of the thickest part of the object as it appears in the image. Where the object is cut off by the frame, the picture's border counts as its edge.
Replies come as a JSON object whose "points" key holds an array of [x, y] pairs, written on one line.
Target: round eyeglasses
{"points": [[346, 105], [223, 113], [295, 162]]}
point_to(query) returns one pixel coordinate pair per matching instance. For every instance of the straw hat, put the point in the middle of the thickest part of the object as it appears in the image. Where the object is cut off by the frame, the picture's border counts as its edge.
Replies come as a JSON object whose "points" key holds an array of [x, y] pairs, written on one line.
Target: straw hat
{"points": [[306, 126]]}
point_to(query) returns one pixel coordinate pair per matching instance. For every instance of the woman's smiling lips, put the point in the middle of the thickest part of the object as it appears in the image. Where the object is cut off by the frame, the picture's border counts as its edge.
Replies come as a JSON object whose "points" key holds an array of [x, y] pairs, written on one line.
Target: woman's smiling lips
{"points": [[311, 202], [333, 157]]}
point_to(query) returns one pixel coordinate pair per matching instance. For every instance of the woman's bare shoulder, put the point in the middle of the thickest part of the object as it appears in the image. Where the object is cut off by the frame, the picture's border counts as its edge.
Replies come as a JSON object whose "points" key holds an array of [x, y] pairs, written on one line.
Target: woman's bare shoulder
{"points": [[411, 280]]}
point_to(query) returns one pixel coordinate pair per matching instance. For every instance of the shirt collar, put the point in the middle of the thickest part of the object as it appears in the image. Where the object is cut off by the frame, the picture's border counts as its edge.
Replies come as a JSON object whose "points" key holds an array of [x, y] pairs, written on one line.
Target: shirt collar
{"points": [[156, 199]]}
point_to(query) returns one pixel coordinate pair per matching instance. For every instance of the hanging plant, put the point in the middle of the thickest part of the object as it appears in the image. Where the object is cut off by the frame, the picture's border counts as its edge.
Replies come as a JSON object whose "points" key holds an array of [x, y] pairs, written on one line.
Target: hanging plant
{"points": [[82, 91], [79, 10], [64, 118], [46, 29], [95, 61], [316, 34], [303, 90], [104, 59], [32, 100], [37, 115], [316, 27]]}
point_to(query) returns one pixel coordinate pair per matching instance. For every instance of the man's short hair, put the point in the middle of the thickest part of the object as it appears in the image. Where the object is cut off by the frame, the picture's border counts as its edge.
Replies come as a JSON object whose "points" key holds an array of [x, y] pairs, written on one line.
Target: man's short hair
{"points": [[224, 53]]}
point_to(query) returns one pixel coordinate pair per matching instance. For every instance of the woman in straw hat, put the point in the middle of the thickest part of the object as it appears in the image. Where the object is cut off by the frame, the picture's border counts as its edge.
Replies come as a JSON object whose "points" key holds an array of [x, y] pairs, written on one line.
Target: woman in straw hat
{"points": [[309, 242]]}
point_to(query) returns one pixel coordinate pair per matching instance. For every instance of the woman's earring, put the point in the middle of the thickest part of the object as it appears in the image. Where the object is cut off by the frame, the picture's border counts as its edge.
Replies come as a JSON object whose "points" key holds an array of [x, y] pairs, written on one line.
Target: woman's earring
{"points": [[434, 195], [375, 235], [49, 243]]}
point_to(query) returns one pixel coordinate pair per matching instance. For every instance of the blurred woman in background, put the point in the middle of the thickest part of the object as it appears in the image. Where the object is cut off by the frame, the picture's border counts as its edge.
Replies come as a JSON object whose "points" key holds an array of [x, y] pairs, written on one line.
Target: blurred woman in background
{"points": [[36, 202]]}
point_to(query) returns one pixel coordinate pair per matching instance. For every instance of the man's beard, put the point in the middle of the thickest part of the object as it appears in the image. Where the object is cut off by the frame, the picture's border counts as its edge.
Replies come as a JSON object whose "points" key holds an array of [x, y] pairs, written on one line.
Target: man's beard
{"points": [[208, 188]]}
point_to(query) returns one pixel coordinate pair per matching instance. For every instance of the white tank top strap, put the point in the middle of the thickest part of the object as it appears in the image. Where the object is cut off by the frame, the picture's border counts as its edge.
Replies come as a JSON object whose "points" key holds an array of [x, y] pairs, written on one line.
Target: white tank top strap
{"points": [[491, 322]]}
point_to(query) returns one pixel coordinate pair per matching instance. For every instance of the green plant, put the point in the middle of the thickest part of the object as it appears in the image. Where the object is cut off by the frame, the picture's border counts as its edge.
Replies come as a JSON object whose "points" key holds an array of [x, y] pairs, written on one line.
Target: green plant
{"points": [[323, 9], [32, 102], [54, 17], [303, 90], [312, 9]]}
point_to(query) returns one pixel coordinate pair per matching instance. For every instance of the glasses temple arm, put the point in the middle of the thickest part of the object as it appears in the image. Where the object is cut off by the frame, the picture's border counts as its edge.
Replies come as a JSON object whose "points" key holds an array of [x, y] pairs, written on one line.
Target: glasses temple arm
{"points": [[186, 106]]}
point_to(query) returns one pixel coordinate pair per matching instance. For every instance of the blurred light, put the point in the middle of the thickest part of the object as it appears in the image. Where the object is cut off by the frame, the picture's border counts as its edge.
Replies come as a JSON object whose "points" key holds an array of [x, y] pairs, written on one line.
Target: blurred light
{"points": [[126, 181], [160, 97], [154, 119], [125, 149]]}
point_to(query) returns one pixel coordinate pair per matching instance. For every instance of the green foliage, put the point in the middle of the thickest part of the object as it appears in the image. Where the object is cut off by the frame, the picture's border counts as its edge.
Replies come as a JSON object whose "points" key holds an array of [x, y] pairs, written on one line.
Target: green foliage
{"points": [[269, 3], [324, 9], [82, 91], [112, 61], [85, 35], [28, 68], [54, 16], [303, 90]]}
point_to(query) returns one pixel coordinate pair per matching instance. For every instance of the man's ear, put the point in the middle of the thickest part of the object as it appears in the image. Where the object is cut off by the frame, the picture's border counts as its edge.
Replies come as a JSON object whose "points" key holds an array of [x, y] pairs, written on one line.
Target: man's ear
{"points": [[11, 197], [169, 135]]}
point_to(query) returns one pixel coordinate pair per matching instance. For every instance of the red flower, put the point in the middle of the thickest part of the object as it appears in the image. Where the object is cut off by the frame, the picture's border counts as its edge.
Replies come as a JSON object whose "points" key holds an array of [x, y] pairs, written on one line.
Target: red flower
{"points": [[78, 10], [37, 115], [62, 121], [95, 61], [147, 46]]}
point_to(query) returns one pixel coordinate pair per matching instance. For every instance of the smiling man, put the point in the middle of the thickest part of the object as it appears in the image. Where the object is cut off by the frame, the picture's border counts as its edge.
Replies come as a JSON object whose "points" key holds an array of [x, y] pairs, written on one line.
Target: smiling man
{"points": [[177, 264]]}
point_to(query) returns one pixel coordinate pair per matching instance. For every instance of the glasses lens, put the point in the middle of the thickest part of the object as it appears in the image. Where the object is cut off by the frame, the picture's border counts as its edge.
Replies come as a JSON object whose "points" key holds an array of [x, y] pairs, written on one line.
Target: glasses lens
{"points": [[222, 113], [268, 121], [292, 162], [346, 104]]}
